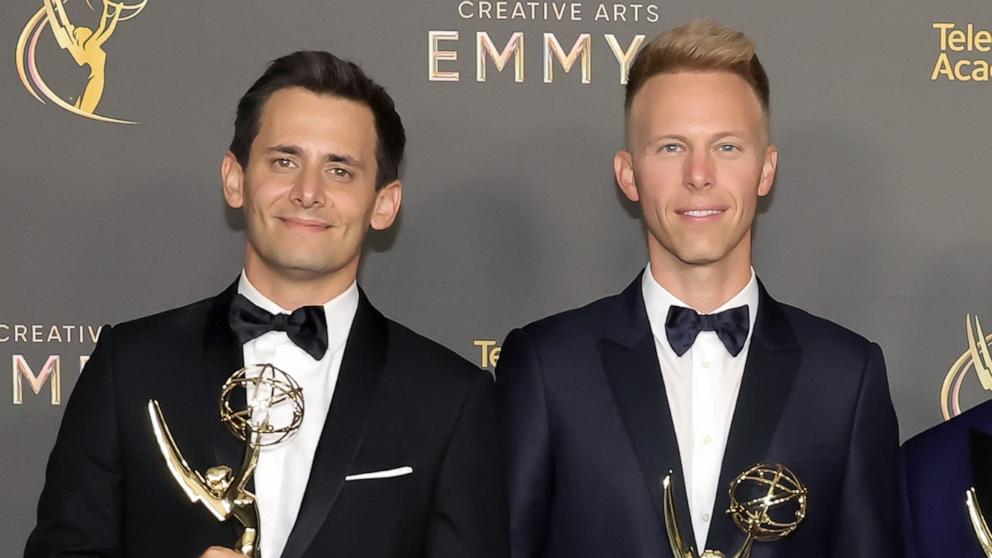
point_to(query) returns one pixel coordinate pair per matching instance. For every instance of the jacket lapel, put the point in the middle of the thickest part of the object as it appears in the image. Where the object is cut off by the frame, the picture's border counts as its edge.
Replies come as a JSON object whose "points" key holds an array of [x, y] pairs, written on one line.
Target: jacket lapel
{"points": [[772, 363], [631, 364], [361, 369], [222, 356], [981, 468]]}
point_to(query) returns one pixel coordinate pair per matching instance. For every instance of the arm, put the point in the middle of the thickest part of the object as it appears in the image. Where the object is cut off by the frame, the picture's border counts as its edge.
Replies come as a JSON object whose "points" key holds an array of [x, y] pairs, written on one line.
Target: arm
{"points": [[79, 512], [525, 433], [63, 29], [868, 520], [104, 31], [468, 516]]}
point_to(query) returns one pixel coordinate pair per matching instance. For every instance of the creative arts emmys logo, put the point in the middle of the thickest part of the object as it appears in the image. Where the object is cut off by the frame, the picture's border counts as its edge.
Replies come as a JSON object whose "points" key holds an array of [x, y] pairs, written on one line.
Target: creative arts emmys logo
{"points": [[84, 45], [558, 58], [33, 364], [977, 358]]}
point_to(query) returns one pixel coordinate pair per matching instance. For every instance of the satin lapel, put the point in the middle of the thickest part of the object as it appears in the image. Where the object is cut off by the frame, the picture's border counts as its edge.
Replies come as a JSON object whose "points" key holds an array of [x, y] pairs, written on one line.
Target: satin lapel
{"points": [[361, 369], [222, 356], [772, 365], [631, 364], [981, 470]]}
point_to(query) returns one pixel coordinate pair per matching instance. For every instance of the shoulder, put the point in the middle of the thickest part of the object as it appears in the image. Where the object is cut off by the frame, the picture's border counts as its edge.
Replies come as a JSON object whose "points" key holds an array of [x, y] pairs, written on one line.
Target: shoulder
{"points": [[571, 327], [825, 339], [934, 442], [819, 330], [180, 322], [428, 361], [831, 354]]}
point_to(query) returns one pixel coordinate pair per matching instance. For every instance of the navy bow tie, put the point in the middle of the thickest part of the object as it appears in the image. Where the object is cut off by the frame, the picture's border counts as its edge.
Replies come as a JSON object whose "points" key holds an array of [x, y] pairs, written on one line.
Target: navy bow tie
{"points": [[306, 326], [684, 324]]}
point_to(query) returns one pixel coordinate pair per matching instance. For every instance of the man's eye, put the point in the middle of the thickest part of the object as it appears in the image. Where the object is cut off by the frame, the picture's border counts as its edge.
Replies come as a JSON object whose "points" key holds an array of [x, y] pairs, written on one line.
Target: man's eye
{"points": [[671, 148], [728, 147], [283, 163], [340, 172]]}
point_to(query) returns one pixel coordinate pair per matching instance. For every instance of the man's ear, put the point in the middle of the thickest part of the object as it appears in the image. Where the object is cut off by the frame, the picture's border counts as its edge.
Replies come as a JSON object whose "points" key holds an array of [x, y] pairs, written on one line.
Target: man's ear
{"points": [[768, 169], [232, 178], [623, 169], [387, 205]]}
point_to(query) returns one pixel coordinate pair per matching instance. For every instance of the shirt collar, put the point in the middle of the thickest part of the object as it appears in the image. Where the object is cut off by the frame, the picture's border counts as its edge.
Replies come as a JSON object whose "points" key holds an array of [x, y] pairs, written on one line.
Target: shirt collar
{"points": [[339, 311], [658, 299]]}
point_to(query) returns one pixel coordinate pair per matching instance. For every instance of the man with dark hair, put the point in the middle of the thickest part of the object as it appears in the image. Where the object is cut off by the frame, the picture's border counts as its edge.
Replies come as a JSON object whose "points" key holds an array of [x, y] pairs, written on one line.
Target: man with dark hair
{"points": [[694, 369], [397, 452], [324, 73]]}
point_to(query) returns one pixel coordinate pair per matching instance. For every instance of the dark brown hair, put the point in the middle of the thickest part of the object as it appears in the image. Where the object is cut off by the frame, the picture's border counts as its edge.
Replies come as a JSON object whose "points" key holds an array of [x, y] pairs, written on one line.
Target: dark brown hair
{"points": [[322, 72]]}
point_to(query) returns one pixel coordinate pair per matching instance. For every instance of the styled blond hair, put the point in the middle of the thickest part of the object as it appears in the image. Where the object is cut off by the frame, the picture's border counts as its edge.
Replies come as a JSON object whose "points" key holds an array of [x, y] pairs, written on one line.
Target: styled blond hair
{"points": [[702, 45]]}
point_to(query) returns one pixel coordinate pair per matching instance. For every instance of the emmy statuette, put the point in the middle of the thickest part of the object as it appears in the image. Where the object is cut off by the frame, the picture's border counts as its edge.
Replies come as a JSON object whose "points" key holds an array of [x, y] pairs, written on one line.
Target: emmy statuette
{"points": [[222, 490], [767, 503], [978, 521]]}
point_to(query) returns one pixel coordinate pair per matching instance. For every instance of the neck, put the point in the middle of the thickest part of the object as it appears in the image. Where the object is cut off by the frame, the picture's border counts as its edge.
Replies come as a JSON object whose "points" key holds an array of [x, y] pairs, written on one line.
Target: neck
{"points": [[704, 287], [292, 292]]}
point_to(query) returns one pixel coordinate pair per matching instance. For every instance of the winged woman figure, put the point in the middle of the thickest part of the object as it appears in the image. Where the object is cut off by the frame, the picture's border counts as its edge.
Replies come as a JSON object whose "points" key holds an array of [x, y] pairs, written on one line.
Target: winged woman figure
{"points": [[86, 45], [220, 490]]}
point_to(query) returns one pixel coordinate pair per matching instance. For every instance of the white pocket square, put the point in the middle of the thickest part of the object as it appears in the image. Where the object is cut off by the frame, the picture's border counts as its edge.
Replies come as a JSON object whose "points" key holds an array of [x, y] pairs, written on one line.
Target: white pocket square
{"points": [[387, 474]]}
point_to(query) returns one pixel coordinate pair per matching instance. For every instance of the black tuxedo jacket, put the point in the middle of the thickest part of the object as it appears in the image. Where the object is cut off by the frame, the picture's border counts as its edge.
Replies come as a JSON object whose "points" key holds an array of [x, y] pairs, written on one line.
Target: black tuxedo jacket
{"points": [[588, 435], [939, 466], [400, 400]]}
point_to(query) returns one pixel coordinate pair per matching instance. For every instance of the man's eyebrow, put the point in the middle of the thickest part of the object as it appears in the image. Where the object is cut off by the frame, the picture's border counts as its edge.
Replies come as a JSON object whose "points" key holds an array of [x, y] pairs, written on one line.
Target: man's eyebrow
{"points": [[346, 159], [730, 132], [684, 138], [287, 149], [330, 157]]}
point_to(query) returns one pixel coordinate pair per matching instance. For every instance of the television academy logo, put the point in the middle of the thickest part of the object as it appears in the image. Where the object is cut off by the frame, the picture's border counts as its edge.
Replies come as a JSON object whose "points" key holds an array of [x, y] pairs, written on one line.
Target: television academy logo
{"points": [[83, 44]]}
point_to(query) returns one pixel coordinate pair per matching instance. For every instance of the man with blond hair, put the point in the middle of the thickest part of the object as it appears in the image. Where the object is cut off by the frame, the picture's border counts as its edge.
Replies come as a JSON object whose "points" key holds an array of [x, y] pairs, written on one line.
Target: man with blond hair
{"points": [[694, 369]]}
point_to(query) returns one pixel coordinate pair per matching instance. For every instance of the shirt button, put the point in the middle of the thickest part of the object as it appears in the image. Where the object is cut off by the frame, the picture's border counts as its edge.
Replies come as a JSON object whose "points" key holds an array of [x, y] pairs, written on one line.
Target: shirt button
{"points": [[706, 364], [705, 517], [707, 439]]}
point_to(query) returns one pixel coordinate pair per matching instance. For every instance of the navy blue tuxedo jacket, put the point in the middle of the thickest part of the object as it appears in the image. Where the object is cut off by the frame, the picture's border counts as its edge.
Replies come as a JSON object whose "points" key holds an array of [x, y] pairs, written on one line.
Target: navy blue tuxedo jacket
{"points": [[588, 435], [400, 400], [939, 466]]}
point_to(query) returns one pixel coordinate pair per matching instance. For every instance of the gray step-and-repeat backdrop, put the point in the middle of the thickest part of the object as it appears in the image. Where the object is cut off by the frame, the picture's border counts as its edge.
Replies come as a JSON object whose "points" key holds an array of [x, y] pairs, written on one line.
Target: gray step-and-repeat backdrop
{"points": [[111, 207]]}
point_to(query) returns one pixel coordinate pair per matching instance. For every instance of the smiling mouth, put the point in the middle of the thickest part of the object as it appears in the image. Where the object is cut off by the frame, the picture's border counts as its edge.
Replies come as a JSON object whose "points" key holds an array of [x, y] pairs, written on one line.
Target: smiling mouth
{"points": [[698, 213], [307, 224]]}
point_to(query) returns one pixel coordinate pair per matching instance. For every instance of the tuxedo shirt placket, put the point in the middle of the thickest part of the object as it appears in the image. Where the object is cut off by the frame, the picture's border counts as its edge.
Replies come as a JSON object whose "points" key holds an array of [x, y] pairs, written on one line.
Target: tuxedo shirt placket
{"points": [[283, 469], [702, 387]]}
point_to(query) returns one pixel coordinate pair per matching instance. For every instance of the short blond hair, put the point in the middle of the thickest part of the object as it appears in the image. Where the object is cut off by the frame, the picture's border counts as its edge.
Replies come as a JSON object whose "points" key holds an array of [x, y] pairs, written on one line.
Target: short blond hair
{"points": [[699, 46]]}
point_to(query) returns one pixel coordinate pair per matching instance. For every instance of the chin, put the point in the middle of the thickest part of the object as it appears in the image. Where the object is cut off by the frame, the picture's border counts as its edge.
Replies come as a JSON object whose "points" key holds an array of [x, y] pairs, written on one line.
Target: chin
{"points": [[700, 255], [699, 260], [303, 267]]}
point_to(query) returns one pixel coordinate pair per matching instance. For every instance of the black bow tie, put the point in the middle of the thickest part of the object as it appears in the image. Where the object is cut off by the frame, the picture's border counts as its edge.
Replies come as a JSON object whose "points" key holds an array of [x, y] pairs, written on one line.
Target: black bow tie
{"points": [[684, 324], [306, 326]]}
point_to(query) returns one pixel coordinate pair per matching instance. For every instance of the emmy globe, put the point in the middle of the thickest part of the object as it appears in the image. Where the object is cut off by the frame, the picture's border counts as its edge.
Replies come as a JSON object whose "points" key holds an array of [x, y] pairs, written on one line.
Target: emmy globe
{"points": [[767, 503], [272, 413]]}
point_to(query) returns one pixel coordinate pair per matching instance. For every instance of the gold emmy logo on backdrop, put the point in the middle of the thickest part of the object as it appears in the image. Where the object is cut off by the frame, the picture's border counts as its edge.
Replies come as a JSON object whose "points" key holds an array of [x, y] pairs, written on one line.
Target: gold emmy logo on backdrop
{"points": [[977, 358], [767, 503], [84, 44], [273, 413]]}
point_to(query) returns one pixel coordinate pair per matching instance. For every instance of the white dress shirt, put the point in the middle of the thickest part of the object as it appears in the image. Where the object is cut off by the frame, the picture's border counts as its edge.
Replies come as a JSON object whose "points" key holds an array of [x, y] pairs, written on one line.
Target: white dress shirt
{"points": [[284, 469], [702, 387]]}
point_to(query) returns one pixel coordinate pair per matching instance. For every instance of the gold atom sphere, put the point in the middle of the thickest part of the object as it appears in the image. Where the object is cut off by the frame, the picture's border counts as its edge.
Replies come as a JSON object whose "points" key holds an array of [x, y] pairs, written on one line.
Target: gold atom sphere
{"points": [[767, 501], [270, 389]]}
